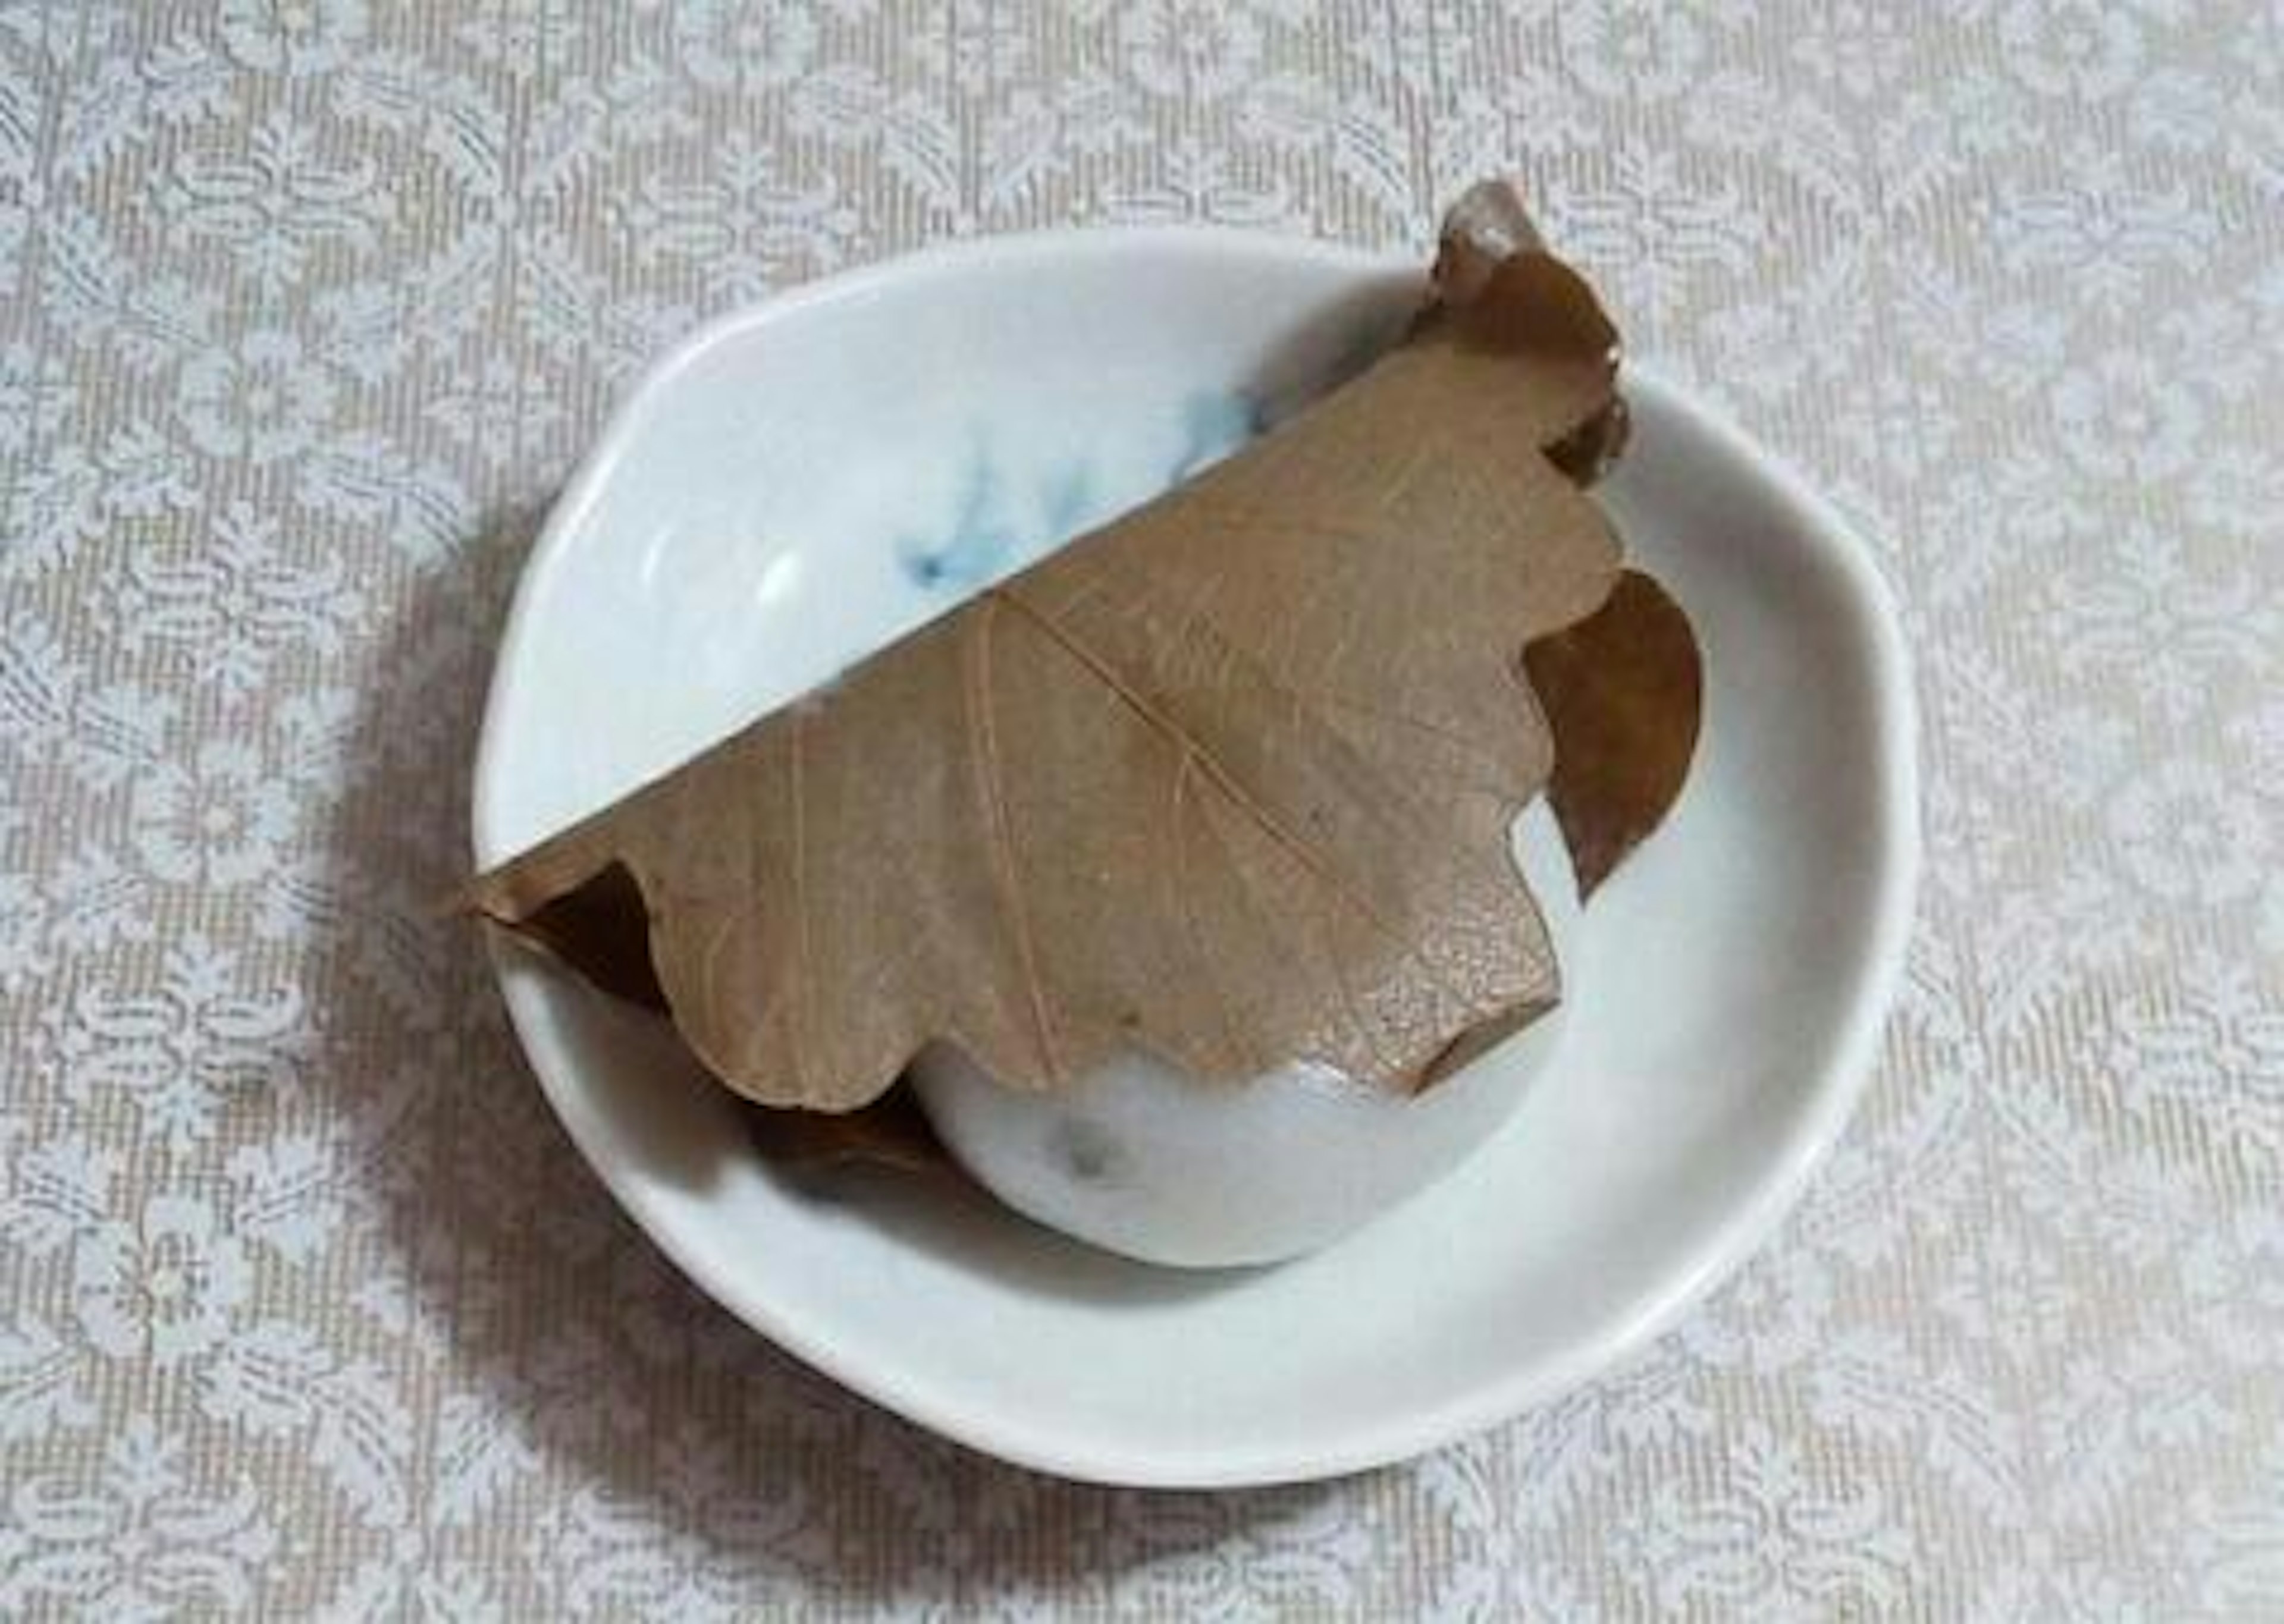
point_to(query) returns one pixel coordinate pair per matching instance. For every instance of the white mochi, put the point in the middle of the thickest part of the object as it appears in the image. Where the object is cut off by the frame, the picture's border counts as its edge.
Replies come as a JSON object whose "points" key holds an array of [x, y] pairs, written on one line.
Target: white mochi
{"points": [[1142, 1160]]}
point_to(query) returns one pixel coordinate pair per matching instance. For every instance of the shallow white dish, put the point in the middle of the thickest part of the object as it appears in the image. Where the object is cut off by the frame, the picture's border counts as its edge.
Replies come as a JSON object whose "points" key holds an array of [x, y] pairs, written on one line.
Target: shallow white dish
{"points": [[804, 480]]}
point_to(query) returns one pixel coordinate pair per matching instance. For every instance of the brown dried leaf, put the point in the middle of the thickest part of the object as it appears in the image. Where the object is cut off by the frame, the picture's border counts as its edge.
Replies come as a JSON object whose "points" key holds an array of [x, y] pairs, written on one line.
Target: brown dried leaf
{"points": [[1623, 691], [891, 1132], [1228, 781]]}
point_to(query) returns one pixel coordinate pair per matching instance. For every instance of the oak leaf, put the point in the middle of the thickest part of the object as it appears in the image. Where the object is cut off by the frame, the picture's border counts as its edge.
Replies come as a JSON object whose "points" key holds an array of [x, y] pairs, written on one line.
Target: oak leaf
{"points": [[1229, 780]]}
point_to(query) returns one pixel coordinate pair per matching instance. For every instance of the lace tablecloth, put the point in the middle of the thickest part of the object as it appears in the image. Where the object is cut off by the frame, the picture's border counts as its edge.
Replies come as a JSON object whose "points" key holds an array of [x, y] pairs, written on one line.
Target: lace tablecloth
{"points": [[306, 306]]}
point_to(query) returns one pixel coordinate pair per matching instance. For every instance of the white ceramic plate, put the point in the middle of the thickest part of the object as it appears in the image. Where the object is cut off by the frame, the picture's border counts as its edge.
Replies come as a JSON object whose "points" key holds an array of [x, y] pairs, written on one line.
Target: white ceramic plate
{"points": [[804, 480]]}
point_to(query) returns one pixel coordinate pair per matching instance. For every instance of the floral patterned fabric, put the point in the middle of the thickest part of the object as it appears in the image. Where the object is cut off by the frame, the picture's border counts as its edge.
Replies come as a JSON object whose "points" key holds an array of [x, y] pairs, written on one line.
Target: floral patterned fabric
{"points": [[307, 305]]}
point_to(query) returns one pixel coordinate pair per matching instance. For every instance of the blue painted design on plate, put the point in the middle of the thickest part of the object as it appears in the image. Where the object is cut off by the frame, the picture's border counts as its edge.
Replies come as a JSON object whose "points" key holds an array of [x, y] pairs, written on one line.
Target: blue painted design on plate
{"points": [[995, 530], [979, 542]]}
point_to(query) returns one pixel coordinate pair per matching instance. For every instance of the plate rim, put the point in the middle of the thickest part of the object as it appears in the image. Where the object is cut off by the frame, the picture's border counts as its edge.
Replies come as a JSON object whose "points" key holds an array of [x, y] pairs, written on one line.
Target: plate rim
{"points": [[1817, 1125]]}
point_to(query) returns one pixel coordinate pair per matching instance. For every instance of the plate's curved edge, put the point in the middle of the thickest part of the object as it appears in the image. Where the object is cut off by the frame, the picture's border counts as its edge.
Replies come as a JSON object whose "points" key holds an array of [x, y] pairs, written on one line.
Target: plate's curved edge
{"points": [[1878, 630], [1894, 699]]}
